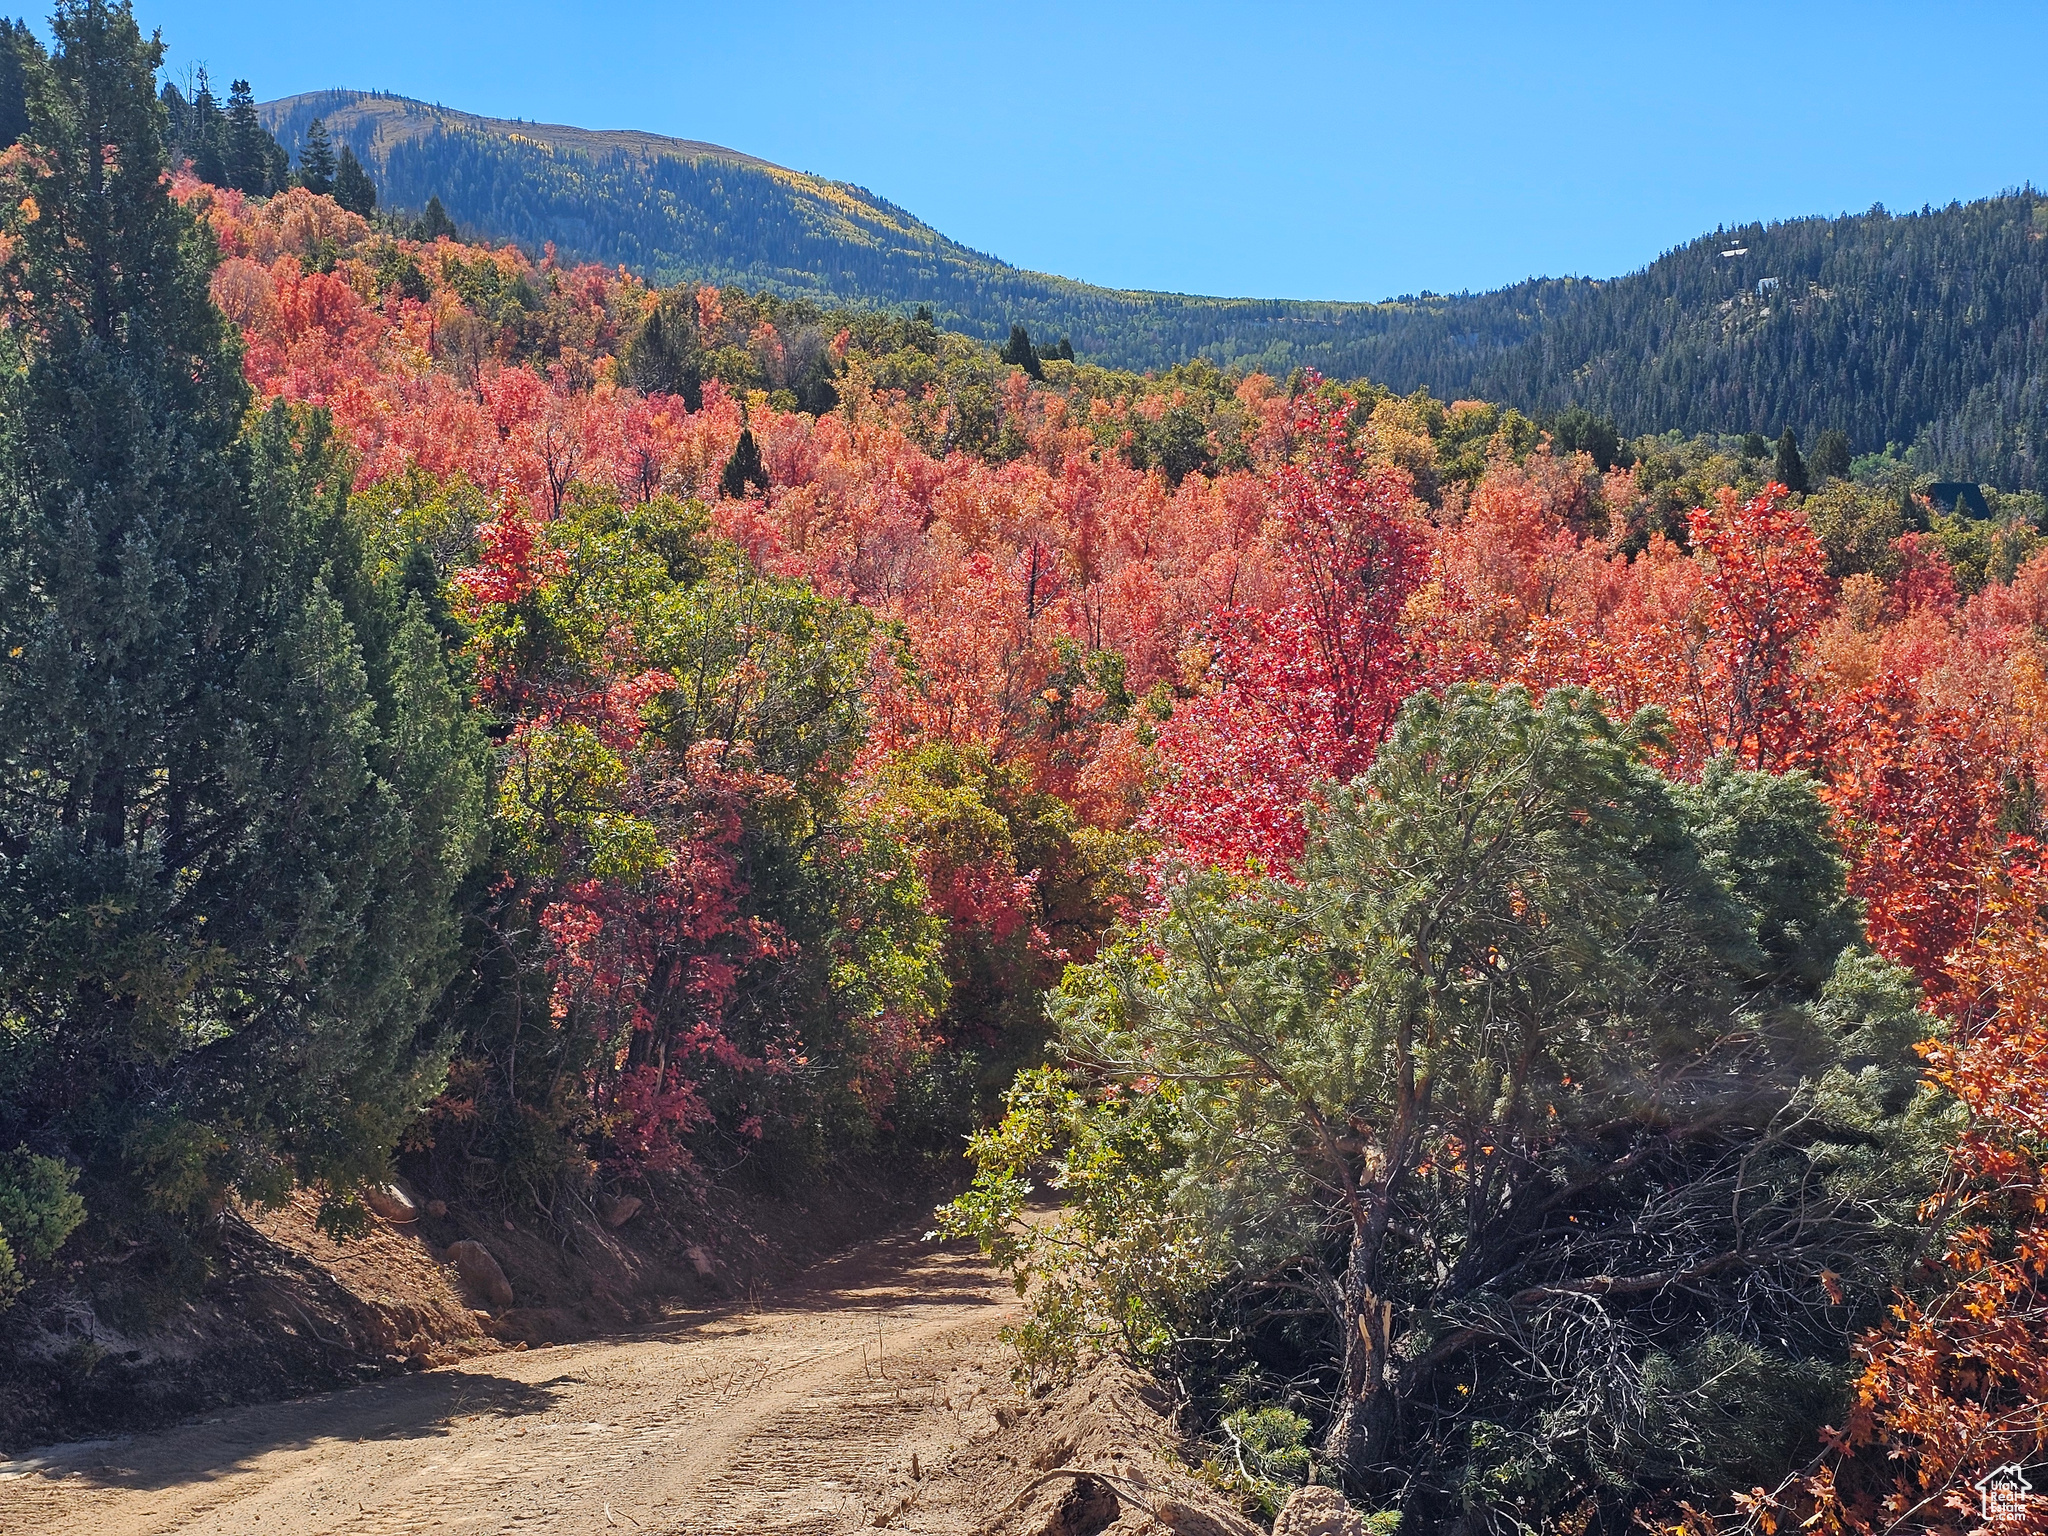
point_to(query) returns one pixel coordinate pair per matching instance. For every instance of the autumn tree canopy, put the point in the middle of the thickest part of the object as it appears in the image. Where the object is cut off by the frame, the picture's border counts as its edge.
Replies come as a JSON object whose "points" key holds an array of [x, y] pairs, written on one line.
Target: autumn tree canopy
{"points": [[1452, 893]]}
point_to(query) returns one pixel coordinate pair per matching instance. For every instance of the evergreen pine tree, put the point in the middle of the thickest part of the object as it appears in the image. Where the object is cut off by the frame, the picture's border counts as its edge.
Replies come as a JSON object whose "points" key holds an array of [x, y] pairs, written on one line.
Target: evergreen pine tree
{"points": [[207, 146], [1019, 353], [1912, 511], [316, 160], [743, 469], [434, 223], [172, 100], [177, 121], [236, 784], [814, 388], [18, 50], [1578, 430], [1788, 469], [1830, 455], [666, 356], [353, 188], [248, 146]]}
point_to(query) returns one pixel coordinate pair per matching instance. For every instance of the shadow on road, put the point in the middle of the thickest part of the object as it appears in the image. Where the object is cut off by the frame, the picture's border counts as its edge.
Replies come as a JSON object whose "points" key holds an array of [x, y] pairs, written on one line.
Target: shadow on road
{"points": [[886, 1275], [412, 1408], [895, 1273]]}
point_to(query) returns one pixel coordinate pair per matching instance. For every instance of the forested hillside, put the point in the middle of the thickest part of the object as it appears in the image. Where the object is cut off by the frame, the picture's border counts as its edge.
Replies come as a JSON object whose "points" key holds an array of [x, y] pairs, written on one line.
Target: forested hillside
{"points": [[1927, 332], [669, 209]]}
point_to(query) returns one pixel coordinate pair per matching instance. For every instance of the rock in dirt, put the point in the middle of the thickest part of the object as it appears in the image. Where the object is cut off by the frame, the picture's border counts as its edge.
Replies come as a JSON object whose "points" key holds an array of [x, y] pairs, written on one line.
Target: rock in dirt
{"points": [[391, 1202], [1110, 1425], [699, 1259], [1318, 1512], [480, 1272], [437, 1209], [1086, 1508], [617, 1210]]}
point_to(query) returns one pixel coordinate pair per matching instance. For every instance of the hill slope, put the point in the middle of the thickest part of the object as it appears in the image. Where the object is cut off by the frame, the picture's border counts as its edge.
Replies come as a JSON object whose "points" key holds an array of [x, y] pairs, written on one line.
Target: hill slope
{"points": [[676, 208], [1927, 331]]}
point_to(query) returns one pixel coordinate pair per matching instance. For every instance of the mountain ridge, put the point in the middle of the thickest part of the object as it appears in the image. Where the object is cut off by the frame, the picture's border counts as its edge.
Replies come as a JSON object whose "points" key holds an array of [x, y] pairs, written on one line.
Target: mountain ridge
{"points": [[1924, 333], [338, 107], [807, 237]]}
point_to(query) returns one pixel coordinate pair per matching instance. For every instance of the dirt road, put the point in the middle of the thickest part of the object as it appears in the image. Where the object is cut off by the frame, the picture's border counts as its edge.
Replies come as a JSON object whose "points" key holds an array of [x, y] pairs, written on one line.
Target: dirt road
{"points": [[801, 1415]]}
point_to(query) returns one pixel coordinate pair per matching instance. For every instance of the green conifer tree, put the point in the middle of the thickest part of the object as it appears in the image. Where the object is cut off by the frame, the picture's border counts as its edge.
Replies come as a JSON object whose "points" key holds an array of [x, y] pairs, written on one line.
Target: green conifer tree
{"points": [[1019, 353], [1912, 511], [744, 469], [666, 356], [814, 388], [316, 160], [1789, 469], [177, 117], [353, 188], [248, 148], [434, 223], [39, 1208], [207, 143], [18, 46], [1830, 456], [237, 786]]}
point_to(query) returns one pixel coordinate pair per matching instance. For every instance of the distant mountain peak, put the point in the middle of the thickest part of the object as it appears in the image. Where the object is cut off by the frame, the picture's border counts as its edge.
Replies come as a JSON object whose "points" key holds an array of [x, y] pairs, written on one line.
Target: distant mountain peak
{"points": [[393, 120]]}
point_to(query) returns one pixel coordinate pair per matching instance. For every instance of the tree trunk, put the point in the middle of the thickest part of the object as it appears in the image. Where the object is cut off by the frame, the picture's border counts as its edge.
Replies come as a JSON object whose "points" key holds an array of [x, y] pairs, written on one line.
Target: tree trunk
{"points": [[110, 804], [1360, 1439]]}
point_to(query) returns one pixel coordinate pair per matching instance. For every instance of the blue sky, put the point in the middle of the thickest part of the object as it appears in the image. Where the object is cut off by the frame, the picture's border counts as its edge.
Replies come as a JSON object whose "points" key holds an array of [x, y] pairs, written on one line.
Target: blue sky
{"points": [[1308, 151]]}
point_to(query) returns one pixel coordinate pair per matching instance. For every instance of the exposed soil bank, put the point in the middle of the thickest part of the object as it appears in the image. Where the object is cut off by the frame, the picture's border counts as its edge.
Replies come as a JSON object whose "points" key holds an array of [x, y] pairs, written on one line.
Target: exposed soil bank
{"points": [[112, 1344], [870, 1393]]}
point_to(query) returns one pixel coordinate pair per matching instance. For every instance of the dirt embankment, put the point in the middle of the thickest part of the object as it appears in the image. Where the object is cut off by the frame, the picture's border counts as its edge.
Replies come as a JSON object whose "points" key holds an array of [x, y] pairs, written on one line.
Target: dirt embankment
{"points": [[872, 1393], [110, 1345]]}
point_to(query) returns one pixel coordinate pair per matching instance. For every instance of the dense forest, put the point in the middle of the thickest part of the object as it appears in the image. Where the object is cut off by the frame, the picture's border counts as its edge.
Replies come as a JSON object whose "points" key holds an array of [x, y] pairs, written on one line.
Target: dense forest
{"points": [[1925, 331], [1520, 945], [1921, 332]]}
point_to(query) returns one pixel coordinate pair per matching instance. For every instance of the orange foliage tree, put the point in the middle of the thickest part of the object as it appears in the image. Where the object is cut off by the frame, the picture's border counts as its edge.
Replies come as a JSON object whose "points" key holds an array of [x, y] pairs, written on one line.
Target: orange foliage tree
{"points": [[1301, 692], [1956, 1384]]}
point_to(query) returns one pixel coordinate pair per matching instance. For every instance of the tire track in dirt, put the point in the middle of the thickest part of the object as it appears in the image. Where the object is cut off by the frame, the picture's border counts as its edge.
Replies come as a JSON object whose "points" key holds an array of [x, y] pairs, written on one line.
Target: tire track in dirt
{"points": [[798, 1416]]}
